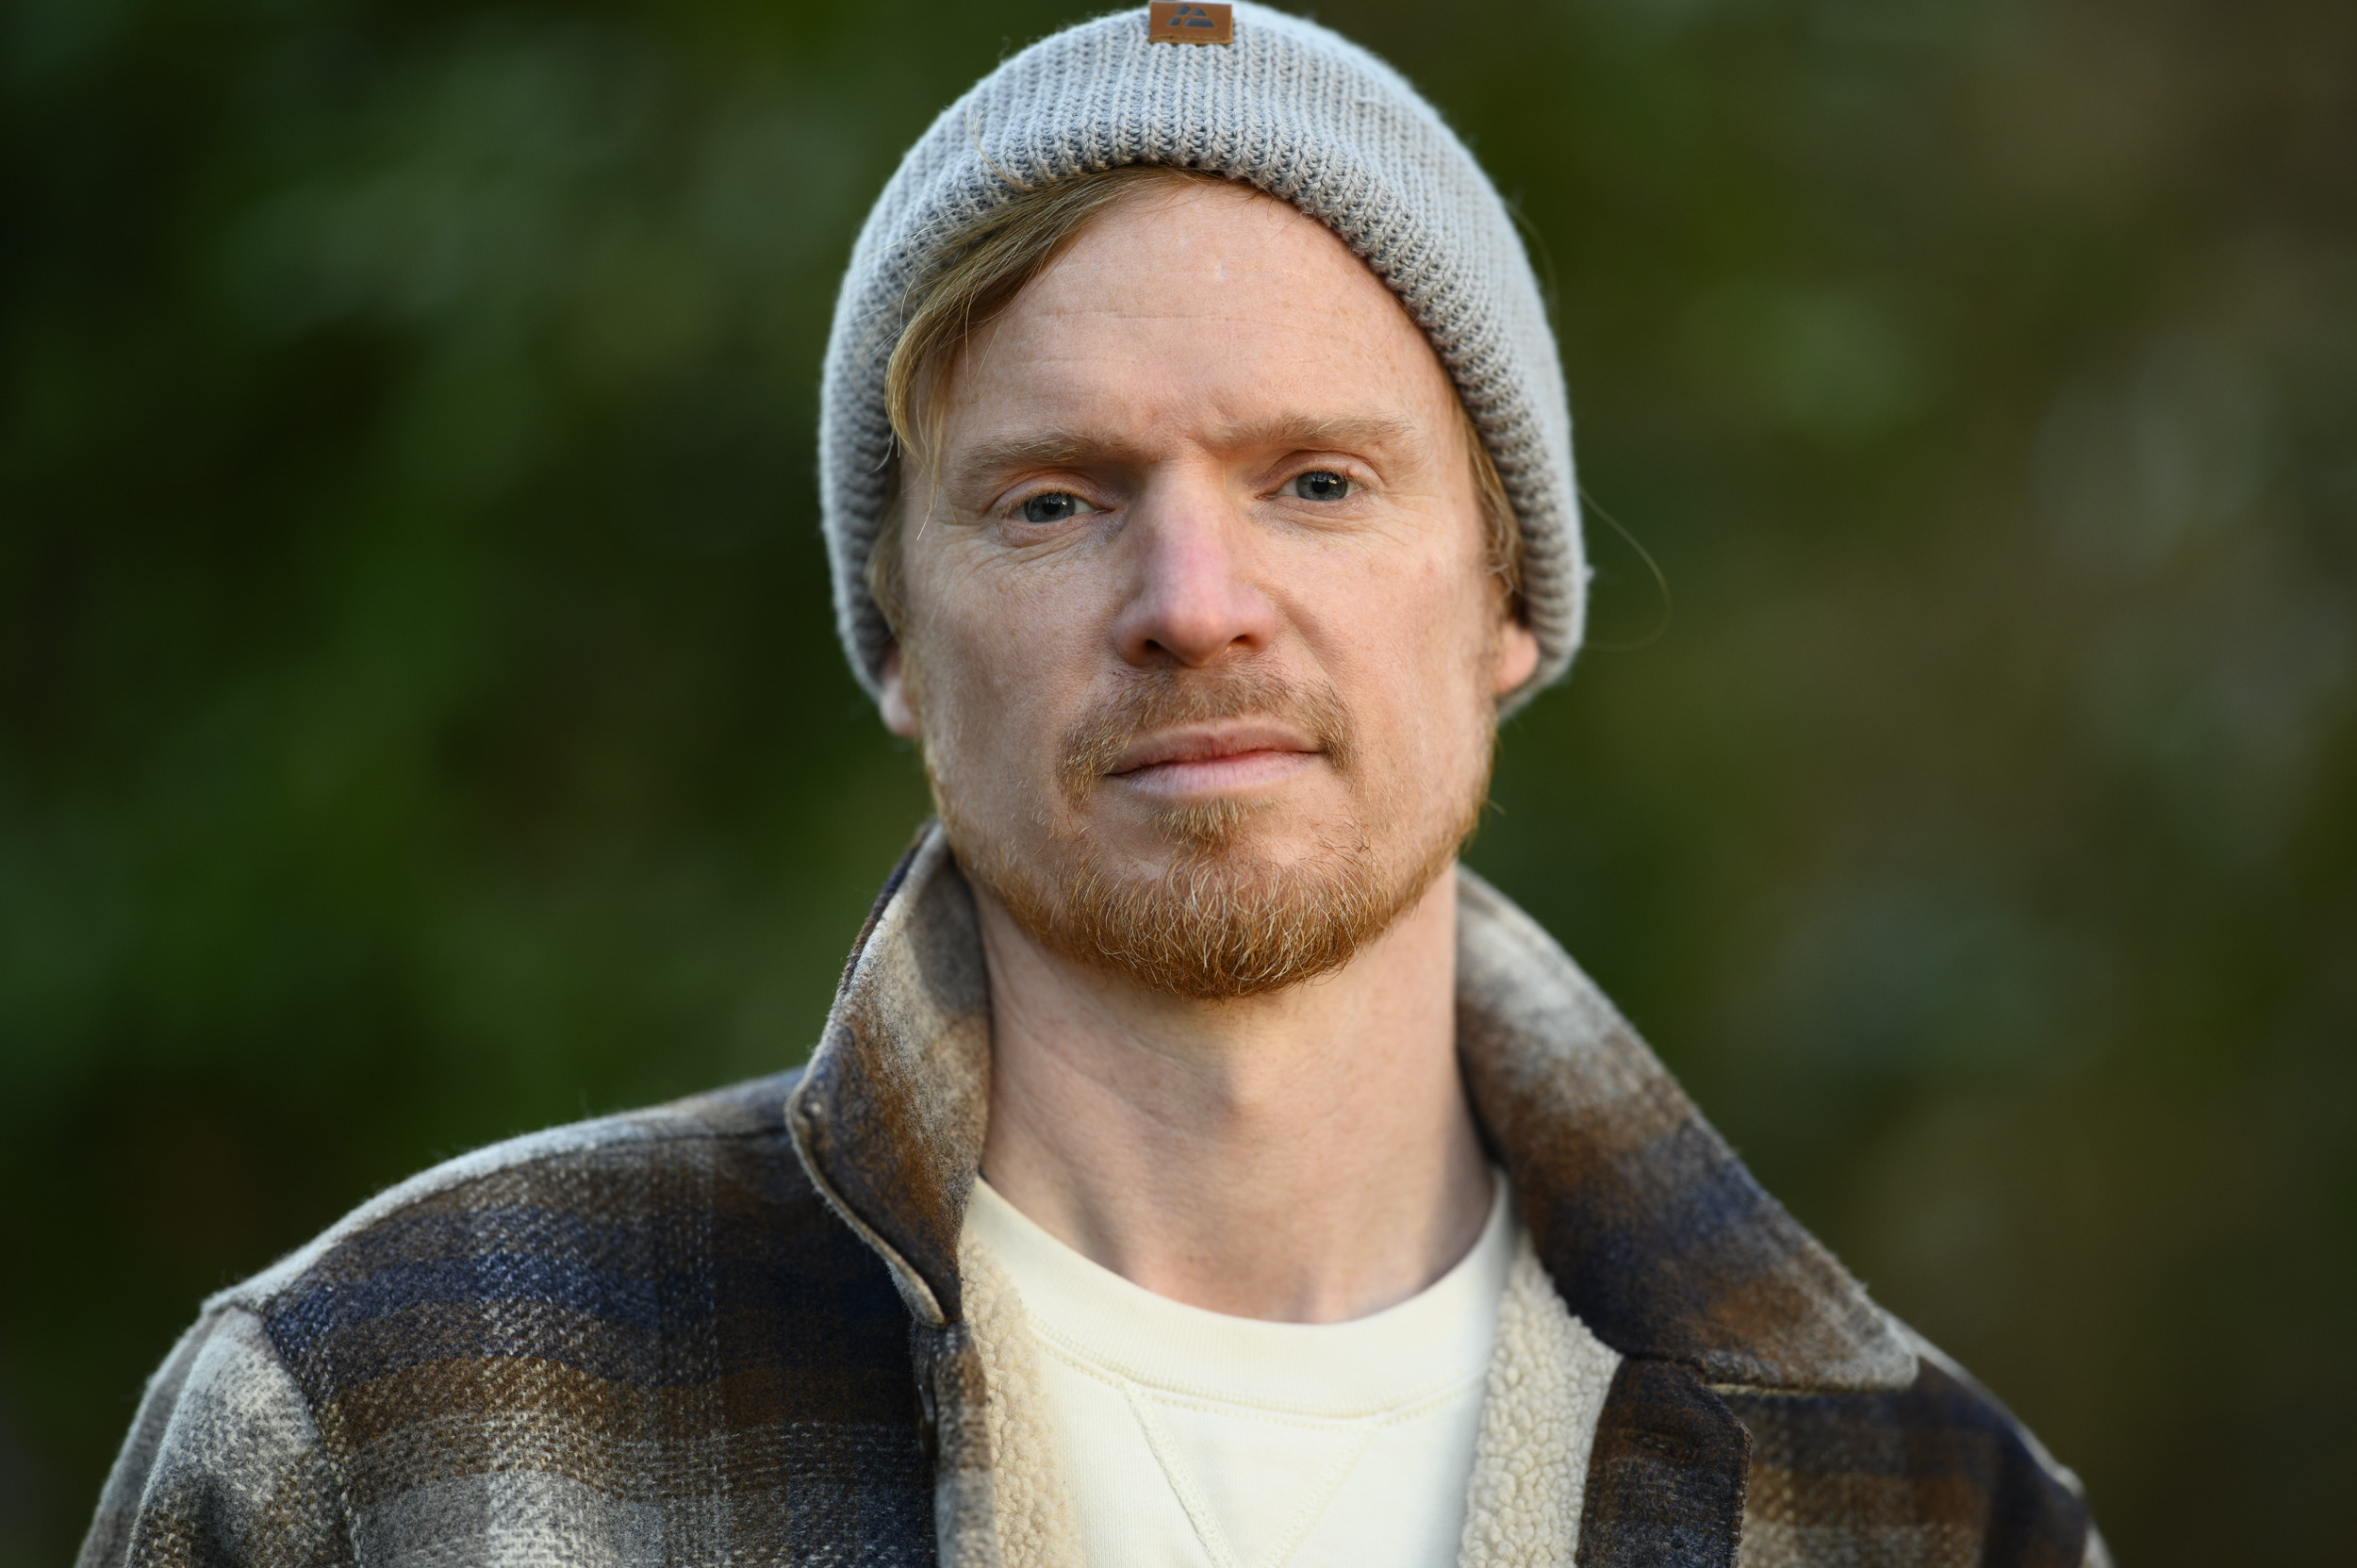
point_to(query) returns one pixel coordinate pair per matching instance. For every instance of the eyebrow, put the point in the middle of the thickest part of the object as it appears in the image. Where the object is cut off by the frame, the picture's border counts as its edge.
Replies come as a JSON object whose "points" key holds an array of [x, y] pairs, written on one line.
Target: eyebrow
{"points": [[1070, 447]]}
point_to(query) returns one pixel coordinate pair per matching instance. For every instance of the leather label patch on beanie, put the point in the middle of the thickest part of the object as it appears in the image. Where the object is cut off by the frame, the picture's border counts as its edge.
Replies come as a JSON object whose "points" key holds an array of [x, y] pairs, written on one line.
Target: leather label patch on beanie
{"points": [[1190, 24]]}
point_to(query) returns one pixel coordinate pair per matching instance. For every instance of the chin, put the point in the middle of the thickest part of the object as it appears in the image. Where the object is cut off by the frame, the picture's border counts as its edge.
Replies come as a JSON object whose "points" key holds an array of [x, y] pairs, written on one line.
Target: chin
{"points": [[1219, 900]]}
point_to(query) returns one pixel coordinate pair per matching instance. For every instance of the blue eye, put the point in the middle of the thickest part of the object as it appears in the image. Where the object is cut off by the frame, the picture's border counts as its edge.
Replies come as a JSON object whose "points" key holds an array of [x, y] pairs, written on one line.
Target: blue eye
{"points": [[1055, 506], [1320, 484]]}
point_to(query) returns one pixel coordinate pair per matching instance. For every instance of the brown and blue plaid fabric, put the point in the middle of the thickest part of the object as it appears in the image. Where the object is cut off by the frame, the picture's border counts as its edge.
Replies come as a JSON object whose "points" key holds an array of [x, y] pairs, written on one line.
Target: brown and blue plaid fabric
{"points": [[729, 1330]]}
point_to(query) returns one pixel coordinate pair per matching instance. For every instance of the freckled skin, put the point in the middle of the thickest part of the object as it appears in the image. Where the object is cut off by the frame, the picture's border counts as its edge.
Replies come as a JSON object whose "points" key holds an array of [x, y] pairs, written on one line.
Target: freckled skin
{"points": [[1136, 473]]}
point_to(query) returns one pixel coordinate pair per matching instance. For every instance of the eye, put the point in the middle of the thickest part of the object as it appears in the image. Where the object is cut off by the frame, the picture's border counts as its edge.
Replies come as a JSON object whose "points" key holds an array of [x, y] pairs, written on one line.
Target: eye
{"points": [[1319, 484], [1053, 506]]}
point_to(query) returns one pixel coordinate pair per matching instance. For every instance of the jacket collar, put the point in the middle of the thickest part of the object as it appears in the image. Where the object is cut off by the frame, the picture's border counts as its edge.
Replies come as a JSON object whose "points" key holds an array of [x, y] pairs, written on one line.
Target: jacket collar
{"points": [[1655, 1235]]}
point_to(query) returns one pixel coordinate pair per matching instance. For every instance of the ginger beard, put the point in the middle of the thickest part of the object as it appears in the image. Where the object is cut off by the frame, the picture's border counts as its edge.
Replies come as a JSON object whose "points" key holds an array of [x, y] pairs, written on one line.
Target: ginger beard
{"points": [[1221, 918]]}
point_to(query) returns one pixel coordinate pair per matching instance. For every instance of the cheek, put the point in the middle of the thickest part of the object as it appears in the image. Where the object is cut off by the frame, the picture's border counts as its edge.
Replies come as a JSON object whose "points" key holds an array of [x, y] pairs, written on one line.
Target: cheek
{"points": [[1417, 628], [989, 679], [1411, 648]]}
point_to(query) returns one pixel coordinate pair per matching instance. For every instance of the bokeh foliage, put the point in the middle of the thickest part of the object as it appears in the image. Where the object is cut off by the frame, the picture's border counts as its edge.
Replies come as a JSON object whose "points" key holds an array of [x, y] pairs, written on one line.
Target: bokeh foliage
{"points": [[420, 721]]}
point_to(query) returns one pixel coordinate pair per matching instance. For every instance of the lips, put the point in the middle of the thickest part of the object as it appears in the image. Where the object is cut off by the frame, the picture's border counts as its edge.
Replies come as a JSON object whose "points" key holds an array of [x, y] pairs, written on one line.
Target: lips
{"points": [[1211, 744], [1188, 734]]}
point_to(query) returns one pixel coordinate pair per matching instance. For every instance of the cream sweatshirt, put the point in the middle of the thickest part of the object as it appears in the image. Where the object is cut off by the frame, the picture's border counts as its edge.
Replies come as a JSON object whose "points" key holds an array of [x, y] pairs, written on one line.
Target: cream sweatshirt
{"points": [[1190, 1439]]}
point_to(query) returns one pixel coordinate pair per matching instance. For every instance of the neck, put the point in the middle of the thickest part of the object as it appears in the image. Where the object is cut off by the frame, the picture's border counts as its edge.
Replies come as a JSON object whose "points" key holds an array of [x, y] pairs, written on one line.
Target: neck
{"points": [[1307, 1156]]}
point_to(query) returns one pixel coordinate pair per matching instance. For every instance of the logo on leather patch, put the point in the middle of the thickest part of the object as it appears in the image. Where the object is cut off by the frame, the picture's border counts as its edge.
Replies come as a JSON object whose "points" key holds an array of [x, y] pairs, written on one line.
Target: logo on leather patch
{"points": [[1190, 23]]}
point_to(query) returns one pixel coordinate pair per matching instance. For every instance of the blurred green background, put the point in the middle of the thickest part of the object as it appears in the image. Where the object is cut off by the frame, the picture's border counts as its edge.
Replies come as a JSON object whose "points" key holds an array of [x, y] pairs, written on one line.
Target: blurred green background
{"points": [[421, 719]]}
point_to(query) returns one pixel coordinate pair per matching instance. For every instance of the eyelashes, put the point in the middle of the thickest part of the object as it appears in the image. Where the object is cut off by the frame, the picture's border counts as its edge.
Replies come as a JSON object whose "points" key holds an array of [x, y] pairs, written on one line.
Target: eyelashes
{"points": [[1046, 508], [1051, 506]]}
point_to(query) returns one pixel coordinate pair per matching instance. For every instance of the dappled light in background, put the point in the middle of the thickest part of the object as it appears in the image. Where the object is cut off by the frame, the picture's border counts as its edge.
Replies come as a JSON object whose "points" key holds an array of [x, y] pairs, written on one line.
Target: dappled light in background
{"points": [[420, 718]]}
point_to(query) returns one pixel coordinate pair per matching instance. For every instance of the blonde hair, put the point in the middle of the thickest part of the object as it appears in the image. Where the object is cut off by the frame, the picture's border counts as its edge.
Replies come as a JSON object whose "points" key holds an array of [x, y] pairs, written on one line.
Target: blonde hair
{"points": [[980, 268]]}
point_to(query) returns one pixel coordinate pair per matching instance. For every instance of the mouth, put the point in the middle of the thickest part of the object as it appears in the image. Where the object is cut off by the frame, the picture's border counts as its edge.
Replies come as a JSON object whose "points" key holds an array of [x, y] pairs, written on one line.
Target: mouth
{"points": [[1215, 759]]}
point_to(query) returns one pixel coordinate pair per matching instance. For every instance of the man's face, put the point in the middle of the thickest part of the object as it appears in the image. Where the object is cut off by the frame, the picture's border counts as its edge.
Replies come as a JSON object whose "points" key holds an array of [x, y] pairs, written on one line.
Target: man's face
{"points": [[1200, 639]]}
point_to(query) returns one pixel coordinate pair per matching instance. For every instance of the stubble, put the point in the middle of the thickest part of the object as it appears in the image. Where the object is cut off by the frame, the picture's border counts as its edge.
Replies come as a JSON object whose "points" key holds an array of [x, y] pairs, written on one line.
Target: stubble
{"points": [[1221, 917]]}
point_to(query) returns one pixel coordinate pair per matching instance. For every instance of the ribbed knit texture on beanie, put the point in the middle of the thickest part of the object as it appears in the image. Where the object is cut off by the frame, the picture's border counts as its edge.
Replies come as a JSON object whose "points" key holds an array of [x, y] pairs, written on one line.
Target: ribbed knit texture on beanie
{"points": [[1307, 117]]}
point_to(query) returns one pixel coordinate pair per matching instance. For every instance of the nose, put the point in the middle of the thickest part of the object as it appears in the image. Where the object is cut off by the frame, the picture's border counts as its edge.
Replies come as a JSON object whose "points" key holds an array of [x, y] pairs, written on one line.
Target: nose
{"points": [[1192, 599]]}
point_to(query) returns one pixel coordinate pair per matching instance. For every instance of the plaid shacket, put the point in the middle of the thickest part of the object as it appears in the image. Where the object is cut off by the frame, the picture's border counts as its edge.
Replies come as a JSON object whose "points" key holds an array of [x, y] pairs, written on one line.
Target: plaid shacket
{"points": [[729, 1330]]}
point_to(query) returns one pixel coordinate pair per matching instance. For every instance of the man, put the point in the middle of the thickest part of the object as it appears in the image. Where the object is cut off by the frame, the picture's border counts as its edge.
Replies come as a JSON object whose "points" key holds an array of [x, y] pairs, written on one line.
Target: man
{"points": [[1198, 1167]]}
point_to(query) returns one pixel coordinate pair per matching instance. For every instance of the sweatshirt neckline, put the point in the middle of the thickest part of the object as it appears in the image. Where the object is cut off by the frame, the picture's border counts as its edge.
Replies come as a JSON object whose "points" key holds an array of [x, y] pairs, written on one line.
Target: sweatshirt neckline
{"points": [[1425, 1346]]}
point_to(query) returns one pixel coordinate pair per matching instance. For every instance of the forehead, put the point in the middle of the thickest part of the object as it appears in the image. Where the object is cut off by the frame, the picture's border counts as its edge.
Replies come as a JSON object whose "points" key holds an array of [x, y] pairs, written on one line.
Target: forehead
{"points": [[1200, 304]]}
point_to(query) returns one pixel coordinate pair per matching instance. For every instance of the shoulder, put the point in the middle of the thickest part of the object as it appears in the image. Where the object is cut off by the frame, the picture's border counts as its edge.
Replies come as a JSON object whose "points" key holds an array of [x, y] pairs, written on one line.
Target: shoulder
{"points": [[642, 1306], [611, 1167], [662, 1247], [1939, 1463]]}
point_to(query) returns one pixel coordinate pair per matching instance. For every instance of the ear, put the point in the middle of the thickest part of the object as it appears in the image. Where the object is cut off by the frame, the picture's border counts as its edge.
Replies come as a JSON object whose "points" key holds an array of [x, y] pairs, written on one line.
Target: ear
{"points": [[900, 709], [1517, 656]]}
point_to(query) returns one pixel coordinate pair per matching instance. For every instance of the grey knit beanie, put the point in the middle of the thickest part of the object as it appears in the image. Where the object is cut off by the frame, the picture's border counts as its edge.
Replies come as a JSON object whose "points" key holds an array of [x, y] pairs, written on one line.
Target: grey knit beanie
{"points": [[1305, 115]]}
